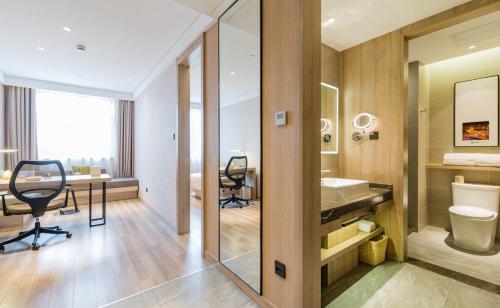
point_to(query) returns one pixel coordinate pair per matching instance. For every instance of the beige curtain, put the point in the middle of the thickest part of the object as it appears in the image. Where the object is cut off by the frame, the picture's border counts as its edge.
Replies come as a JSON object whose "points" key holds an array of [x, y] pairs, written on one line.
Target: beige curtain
{"points": [[125, 142], [20, 124]]}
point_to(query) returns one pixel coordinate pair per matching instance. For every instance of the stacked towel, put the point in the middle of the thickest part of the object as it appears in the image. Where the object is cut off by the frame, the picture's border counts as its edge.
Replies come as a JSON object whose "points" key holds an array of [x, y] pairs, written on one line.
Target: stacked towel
{"points": [[492, 160], [461, 159], [472, 159]]}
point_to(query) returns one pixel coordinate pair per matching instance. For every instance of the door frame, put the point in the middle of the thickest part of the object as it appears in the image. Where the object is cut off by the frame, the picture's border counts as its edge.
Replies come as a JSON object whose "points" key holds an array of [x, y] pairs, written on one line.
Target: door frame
{"points": [[183, 196]]}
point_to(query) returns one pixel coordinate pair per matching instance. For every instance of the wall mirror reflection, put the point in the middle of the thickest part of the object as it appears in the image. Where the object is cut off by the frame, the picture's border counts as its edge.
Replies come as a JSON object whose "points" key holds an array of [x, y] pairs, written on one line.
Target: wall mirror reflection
{"points": [[329, 119], [240, 141]]}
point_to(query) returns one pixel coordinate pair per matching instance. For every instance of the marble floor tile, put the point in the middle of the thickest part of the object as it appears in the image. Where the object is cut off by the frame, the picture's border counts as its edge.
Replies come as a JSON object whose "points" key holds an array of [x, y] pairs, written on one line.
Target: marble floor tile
{"points": [[435, 245], [463, 295]]}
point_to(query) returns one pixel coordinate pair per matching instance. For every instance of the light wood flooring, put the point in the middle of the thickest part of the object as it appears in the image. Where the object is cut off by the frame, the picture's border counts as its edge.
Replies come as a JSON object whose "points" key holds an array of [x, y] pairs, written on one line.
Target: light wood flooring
{"points": [[239, 230], [135, 251]]}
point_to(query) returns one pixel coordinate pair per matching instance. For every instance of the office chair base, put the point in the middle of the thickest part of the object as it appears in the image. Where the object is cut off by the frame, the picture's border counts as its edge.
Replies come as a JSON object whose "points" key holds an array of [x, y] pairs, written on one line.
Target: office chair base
{"points": [[36, 233], [233, 199]]}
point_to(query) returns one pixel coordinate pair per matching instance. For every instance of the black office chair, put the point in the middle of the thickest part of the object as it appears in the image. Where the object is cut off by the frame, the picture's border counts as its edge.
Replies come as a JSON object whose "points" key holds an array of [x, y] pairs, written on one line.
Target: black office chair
{"points": [[234, 179], [35, 198]]}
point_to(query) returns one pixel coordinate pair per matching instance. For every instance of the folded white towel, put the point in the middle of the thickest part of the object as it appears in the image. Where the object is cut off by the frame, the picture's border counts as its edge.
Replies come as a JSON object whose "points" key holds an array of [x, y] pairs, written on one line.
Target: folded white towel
{"points": [[464, 159], [492, 160]]}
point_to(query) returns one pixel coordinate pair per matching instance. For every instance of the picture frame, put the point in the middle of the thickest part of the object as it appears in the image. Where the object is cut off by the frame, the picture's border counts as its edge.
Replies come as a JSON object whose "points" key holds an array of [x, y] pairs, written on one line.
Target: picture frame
{"points": [[476, 112]]}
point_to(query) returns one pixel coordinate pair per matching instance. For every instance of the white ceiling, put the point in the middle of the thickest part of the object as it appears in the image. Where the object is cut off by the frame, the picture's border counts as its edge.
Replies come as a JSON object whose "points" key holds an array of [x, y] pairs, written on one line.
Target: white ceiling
{"points": [[357, 21], [482, 32], [125, 40]]}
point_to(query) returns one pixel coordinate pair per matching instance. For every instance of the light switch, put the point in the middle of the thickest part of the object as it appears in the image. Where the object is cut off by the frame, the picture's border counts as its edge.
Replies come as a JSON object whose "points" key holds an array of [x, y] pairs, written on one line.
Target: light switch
{"points": [[280, 118]]}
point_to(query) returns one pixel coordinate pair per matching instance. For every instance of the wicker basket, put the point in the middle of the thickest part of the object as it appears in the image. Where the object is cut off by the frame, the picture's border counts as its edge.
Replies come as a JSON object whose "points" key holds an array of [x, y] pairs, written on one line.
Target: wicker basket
{"points": [[373, 251]]}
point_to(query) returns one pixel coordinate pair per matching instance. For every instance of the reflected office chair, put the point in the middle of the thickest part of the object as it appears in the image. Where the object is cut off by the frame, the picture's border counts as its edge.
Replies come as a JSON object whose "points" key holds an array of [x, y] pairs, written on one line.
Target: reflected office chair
{"points": [[234, 179], [35, 198]]}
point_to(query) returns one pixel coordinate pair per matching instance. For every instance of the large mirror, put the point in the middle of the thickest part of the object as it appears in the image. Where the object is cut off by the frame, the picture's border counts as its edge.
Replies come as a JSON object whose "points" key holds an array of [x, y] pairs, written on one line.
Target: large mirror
{"points": [[329, 119], [240, 173]]}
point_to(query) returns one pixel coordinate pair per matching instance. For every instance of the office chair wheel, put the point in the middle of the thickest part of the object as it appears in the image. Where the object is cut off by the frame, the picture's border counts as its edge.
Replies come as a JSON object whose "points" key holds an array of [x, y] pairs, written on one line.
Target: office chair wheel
{"points": [[35, 247], [69, 235], [2, 248]]}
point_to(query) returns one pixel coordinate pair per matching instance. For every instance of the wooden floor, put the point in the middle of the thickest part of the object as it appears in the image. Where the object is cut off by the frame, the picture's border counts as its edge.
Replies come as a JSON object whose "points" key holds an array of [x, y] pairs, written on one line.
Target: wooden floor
{"points": [[240, 230], [136, 250]]}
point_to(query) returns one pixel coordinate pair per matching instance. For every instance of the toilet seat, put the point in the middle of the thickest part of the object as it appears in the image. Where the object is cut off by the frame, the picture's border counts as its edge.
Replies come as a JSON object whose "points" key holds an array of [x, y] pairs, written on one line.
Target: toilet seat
{"points": [[472, 212]]}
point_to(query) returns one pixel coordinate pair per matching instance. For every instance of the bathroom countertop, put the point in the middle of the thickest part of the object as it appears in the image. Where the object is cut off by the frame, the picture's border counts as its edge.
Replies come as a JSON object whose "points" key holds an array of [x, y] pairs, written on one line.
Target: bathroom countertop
{"points": [[379, 193]]}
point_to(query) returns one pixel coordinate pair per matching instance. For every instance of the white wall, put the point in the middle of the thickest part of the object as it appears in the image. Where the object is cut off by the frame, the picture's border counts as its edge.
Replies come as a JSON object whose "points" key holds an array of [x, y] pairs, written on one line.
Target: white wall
{"points": [[155, 152], [2, 123], [240, 130]]}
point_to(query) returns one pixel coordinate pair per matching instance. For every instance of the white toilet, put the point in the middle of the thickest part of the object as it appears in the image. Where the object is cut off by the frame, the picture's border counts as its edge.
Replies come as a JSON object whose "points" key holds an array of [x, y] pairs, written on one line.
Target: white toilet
{"points": [[474, 215]]}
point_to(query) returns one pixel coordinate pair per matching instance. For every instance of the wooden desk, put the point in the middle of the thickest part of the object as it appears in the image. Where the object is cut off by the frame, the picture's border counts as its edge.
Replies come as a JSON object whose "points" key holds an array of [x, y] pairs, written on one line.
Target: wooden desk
{"points": [[73, 180], [250, 179]]}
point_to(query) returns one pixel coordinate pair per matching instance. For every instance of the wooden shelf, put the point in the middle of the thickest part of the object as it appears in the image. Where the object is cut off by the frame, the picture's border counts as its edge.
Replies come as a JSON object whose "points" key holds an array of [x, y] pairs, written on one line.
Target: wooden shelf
{"points": [[336, 251], [455, 167]]}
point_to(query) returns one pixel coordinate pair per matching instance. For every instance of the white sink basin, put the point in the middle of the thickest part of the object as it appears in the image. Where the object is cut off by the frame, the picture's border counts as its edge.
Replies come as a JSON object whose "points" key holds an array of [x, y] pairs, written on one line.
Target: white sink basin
{"points": [[340, 190]]}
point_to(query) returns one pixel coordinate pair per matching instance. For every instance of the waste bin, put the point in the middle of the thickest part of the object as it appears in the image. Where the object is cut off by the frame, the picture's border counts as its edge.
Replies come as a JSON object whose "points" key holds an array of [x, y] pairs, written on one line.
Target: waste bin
{"points": [[373, 251]]}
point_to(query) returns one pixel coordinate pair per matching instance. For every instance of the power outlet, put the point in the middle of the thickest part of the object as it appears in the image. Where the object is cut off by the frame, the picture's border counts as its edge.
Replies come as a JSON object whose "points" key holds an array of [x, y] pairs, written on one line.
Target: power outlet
{"points": [[280, 269]]}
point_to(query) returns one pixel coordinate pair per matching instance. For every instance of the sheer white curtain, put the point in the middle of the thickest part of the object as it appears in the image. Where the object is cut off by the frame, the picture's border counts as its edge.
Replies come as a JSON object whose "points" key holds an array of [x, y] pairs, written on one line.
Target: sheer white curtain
{"points": [[76, 129], [195, 139]]}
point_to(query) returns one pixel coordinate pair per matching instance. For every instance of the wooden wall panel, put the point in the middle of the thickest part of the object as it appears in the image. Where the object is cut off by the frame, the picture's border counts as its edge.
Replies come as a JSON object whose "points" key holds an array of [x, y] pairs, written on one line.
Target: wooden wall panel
{"points": [[211, 144], [291, 154], [183, 172], [374, 82]]}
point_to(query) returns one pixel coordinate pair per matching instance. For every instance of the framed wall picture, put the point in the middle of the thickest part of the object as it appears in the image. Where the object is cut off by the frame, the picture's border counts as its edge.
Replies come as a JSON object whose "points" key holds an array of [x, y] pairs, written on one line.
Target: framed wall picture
{"points": [[476, 112]]}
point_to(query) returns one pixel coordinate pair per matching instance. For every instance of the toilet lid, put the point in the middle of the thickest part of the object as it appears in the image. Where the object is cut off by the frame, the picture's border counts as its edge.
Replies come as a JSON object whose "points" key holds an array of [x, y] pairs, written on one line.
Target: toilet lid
{"points": [[471, 212]]}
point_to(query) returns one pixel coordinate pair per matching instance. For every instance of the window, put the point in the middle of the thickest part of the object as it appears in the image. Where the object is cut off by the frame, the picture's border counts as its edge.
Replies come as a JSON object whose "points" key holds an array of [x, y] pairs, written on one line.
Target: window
{"points": [[72, 126]]}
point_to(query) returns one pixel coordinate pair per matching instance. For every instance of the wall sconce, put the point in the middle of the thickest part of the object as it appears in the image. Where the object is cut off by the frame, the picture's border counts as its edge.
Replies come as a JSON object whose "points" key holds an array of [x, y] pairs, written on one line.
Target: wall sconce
{"points": [[364, 123]]}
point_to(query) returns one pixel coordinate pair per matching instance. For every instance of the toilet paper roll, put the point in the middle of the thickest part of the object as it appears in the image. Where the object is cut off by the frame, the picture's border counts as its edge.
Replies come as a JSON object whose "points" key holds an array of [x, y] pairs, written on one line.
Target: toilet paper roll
{"points": [[459, 179]]}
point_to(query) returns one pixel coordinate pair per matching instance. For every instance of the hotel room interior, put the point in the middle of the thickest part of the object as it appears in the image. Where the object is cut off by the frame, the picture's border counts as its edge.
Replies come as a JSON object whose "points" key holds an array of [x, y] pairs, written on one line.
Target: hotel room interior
{"points": [[250, 153]]}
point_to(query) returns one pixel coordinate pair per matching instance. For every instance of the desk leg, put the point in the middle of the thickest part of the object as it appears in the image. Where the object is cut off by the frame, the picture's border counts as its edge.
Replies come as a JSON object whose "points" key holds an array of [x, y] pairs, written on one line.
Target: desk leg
{"points": [[90, 204], [102, 219]]}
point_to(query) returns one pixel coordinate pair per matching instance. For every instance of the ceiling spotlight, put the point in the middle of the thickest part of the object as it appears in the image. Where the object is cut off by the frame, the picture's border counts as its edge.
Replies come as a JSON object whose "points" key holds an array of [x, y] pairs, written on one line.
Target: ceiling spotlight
{"points": [[129, 79], [328, 22], [40, 48], [67, 29], [472, 46], [233, 73], [81, 47], [49, 69]]}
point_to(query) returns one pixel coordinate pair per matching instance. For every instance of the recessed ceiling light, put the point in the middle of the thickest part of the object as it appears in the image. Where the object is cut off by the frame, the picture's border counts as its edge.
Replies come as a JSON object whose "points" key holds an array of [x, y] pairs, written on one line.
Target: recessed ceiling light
{"points": [[40, 48], [67, 29], [49, 69], [233, 73], [472, 46], [223, 87], [129, 79], [328, 22]]}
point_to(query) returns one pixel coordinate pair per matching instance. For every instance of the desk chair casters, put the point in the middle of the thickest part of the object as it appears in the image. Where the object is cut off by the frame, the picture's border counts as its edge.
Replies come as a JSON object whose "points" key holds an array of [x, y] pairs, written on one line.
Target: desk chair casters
{"points": [[36, 232], [35, 199]]}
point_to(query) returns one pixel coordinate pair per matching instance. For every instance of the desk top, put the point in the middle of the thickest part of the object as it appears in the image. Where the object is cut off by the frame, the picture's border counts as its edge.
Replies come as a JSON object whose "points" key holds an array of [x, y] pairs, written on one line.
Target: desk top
{"points": [[236, 170], [70, 179]]}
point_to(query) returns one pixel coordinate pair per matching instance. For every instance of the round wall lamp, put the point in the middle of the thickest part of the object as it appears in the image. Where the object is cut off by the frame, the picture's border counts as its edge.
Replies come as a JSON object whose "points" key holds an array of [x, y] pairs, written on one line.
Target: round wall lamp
{"points": [[325, 125], [364, 122]]}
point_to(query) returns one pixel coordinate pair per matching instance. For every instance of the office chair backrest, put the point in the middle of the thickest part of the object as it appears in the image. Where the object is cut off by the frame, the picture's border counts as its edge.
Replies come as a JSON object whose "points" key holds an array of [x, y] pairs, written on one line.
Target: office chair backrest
{"points": [[236, 169], [38, 194]]}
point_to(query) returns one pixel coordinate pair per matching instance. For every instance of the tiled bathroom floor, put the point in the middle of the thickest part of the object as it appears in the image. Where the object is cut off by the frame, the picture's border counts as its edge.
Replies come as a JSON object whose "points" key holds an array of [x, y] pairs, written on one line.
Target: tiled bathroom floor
{"points": [[435, 245], [203, 289], [403, 285]]}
